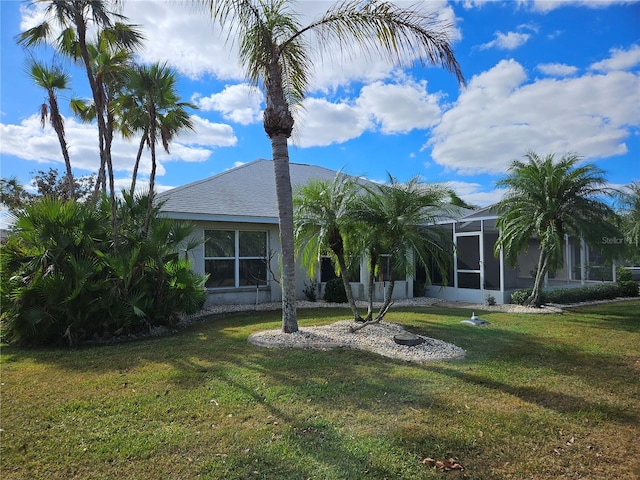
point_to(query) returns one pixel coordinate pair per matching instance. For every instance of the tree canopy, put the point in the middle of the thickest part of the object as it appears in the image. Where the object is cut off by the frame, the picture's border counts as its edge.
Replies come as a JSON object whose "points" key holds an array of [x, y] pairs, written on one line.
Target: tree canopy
{"points": [[546, 199]]}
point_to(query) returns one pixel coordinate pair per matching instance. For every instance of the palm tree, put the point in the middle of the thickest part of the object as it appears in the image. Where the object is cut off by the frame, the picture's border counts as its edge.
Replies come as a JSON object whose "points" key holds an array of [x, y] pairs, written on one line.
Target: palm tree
{"points": [[399, 225], [133, 110], [12, 194], [548, 199], [628, 200], [152, 105], [110, 62], [75, 17], [52, 79], [323, 220], [274, 50]]}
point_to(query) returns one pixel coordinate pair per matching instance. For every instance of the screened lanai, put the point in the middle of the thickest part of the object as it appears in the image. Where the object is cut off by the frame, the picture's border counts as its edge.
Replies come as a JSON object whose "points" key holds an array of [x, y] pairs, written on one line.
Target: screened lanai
{"points": [[476, 272]]}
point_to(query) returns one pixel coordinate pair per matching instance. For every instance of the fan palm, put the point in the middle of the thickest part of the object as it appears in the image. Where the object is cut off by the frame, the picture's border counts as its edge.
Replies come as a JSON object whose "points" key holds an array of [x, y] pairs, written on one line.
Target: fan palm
{"points": [[110, 62], [74, 18], [274, 50], [151, 104], [548, 199], [323, 219], [52, 79], [399, 224]]}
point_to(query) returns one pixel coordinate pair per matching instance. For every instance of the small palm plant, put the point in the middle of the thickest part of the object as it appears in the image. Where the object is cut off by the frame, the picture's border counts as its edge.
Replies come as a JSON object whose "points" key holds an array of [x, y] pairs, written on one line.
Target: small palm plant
{"points": [[324, 220], [399, 223], [547, 199]]}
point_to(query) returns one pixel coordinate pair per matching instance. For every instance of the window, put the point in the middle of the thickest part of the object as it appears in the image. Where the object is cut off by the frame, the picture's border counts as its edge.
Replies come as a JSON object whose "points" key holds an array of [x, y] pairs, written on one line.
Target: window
{"points": [[328, 272], [469, 252], [235, 258]]}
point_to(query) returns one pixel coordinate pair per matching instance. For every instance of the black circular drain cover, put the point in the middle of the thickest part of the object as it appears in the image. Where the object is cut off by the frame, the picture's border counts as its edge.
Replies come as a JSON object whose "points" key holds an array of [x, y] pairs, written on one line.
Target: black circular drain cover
{"points": [[408, 339]]}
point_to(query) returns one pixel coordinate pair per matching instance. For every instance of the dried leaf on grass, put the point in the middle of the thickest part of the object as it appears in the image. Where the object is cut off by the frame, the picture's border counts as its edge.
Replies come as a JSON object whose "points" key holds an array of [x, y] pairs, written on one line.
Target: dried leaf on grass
{"points": [[445, 466]]}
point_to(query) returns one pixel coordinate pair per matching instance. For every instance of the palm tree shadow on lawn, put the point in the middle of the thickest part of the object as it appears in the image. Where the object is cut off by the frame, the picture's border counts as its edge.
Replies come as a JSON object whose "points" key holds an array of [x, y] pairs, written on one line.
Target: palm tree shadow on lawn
{"points": [[532, 352]]}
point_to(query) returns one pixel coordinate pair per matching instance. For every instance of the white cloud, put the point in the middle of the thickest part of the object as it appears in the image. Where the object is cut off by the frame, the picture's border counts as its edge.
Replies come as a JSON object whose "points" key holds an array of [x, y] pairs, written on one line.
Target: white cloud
{"points": [[499, 117], [472, 192], [28, 141], [239, 103], [507, 41], [557, 69], [620, 59], [387, 108], [184, 35], [321, 123], [400, 108], [529, 26], [548, 5]]}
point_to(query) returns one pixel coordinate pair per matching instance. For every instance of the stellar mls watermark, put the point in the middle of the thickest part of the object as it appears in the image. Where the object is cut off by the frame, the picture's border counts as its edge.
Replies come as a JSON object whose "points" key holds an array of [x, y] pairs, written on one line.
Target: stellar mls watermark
{"points": [[614, 240]]}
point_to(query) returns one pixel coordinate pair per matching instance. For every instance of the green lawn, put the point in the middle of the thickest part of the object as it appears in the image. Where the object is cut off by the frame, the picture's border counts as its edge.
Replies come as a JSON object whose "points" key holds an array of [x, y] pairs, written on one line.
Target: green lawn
{"points": [[538, 397]]}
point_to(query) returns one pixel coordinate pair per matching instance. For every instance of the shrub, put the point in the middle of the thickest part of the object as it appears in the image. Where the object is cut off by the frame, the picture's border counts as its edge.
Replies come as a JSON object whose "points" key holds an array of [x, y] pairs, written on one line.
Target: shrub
{"points": [[334, 291], [629, 288], [604, 291], [490, 300], [519, 296], [63, 281], [310, 291], [623, 274]]}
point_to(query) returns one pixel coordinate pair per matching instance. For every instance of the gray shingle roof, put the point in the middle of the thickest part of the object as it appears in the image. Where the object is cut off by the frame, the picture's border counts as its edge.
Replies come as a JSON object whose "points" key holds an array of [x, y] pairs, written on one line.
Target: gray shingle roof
{"points": [[242, 194]]}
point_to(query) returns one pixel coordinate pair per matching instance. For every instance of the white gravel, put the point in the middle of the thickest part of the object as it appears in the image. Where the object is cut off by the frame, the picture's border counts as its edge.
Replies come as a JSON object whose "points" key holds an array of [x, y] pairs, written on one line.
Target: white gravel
{"points": [[377, 338]]}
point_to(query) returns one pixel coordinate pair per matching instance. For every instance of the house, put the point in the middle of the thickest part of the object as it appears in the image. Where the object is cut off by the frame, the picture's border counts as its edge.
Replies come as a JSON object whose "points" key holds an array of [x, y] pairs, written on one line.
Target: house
{"points": [[236, 217]]}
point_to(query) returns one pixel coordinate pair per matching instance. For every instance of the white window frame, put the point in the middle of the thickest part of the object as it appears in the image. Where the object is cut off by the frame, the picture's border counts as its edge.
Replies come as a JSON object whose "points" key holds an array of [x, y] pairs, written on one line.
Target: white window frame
{"points": [[237, 258]]}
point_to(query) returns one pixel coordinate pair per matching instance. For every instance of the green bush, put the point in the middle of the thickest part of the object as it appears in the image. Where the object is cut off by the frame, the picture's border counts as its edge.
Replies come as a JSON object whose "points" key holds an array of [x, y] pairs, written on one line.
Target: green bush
{"points": [[520, 296], [603, 291], [629, 288], [623, 274], [310, 291], [334, 291], [64, 282]]}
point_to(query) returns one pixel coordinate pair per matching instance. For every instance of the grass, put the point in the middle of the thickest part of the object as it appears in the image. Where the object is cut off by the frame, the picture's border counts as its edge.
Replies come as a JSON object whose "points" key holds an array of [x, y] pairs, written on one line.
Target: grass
{"points": [[538, 397]]}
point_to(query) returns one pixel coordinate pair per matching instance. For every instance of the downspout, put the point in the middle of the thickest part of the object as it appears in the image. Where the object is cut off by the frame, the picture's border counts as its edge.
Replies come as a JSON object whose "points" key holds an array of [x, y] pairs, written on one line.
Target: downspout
{"points": [[582, 260], [567, 255], [481, 247], [455, 258], [502, 275]]}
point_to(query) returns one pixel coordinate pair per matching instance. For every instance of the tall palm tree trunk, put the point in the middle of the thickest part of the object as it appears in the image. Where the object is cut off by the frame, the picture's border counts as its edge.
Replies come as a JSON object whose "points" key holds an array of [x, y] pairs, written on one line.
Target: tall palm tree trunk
{"points": [[58, 126], [112, 188], [134, 175], [152, 175], [278, 125], [104, 140], [284, 195]]}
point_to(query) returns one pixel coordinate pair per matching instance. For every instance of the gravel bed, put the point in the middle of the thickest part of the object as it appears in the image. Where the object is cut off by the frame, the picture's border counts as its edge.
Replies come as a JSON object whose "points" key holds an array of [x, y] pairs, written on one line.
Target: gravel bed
{"points": [[377, 338]]}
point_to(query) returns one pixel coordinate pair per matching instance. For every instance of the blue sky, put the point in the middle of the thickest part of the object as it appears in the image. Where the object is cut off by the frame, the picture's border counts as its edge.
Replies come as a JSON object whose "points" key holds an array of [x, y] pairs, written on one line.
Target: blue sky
{"points": [[547, 76]]}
